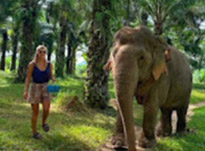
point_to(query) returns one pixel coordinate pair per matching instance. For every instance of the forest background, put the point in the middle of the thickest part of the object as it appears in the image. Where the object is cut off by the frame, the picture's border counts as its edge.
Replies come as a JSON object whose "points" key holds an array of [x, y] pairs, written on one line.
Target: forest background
{"points": [[79, 35]]}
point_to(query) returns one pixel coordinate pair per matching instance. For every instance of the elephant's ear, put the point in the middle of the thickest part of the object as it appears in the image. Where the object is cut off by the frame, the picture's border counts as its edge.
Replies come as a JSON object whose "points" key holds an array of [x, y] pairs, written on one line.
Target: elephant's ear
{"points": [[161, 56], [167, 54], [158, 69]]}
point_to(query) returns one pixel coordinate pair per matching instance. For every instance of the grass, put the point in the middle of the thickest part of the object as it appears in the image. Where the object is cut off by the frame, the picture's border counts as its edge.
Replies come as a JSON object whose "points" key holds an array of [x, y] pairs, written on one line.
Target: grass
{"points": [[190, 142], [78, 131], [69, 131], [198, 93]]}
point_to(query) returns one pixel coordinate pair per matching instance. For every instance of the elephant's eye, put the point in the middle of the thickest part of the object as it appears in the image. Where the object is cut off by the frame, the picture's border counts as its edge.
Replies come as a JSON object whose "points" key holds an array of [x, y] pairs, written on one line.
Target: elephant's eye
{"points": [[141, 58]]}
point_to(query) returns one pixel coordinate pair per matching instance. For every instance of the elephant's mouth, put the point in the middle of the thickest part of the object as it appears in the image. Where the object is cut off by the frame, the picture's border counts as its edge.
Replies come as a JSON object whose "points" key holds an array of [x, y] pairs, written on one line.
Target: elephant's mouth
{"points": [[142, 89], [139, 83], [140, 98]]}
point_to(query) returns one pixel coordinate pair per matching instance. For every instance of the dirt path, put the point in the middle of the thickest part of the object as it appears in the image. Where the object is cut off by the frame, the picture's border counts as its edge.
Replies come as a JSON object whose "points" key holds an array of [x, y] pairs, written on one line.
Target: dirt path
{"points": [[108, 146]]}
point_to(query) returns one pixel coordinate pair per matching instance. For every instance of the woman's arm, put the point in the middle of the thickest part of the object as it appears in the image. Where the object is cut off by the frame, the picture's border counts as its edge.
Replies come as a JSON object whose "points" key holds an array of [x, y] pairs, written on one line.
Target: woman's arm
{"points": [[28, 78], [51, 73]]}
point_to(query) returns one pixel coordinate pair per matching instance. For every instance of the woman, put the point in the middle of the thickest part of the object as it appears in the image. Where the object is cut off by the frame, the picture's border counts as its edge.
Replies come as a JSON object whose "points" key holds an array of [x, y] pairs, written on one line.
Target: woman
{"points": [[41, 71]]}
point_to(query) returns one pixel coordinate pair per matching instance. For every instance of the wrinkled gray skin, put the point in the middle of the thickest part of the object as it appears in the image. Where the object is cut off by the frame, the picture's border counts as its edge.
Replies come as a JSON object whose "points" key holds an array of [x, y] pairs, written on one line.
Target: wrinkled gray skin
{"points": [[146, 67]]}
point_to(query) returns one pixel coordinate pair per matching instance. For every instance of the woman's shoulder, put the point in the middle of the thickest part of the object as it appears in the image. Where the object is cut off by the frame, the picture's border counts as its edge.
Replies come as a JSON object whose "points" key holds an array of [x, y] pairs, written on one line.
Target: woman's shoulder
{"points": [[31, 64]]}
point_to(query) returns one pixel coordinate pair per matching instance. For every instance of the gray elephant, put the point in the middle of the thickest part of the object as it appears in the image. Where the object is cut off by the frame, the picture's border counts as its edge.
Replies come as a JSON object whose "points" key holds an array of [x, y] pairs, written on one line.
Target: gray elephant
{"points": [[146, 67]]}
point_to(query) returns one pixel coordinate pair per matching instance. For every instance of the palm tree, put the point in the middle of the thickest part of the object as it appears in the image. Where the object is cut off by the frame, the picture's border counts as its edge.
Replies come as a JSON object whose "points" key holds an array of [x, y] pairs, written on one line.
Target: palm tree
{"points": [[29, 13], [65, 10], [162, 11], [46, 36], [4, 47], [15, 39], [72, 44], [96, 84], [6, 11], [60, 53]]}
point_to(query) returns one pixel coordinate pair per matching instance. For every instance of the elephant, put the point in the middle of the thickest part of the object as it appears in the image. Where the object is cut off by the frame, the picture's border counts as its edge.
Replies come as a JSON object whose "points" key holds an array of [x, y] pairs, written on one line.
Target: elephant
{"points": [[145, 67]]}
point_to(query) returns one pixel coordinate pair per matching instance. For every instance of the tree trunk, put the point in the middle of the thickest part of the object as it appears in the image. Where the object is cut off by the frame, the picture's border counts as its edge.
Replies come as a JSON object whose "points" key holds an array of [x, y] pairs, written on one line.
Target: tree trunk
{"points": [[27, 46], [50, 46], [96, 83], [14, 48], [60, 53], [51, 41], [158, 26], [158, 23], [70, 59], [69, 67], [127, 20], [50, 49], [144, 17], [4, 47]]}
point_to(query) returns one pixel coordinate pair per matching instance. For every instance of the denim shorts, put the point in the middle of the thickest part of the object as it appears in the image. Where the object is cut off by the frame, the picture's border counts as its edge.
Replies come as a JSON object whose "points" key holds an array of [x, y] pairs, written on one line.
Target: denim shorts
{"points": [[38, 93]]}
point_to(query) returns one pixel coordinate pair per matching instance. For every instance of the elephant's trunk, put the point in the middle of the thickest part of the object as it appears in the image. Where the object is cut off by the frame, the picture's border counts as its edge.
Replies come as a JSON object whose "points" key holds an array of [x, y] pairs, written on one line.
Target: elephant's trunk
{"points": [[125, 78]]}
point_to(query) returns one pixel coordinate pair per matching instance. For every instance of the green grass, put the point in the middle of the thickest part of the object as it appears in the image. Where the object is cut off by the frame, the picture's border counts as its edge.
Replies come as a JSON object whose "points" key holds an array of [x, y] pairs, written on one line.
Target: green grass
{"points": [[198, 93], [78, 131], [190, 142], [68, 131]]}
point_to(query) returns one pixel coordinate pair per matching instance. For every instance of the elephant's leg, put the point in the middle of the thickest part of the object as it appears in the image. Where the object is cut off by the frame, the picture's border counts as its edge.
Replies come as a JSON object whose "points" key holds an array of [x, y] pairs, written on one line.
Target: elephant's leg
{"points": [[118, 139], [165, 128], [148, 136], [181, 122]]}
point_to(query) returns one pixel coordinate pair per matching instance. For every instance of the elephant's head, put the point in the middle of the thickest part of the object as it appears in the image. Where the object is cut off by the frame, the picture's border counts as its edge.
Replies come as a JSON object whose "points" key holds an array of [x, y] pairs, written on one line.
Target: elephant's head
{"points": [[151, 51], [137, 56]]}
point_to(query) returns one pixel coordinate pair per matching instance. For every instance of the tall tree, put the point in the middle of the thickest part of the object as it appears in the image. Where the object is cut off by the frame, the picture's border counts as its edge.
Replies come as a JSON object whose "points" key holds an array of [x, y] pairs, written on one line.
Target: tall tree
{"points": [[5, 9], [5, 12], [30, 9], [77, 32], [163, 11], [3, 49], [15, 39], [72, 44], [60, 53], [53, 12], [46, 37], [64, 18], [127, 19], [96, 84], [190, 35]]}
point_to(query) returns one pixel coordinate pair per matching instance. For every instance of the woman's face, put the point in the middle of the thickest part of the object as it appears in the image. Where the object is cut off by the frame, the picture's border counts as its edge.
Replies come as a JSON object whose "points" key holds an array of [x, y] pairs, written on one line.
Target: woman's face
{"points": [[41, 53]]}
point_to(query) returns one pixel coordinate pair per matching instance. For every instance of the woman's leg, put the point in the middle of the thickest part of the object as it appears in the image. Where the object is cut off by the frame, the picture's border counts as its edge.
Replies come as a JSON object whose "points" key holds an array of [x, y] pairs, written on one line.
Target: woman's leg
{"points": [[35, 110], [46, 109]]}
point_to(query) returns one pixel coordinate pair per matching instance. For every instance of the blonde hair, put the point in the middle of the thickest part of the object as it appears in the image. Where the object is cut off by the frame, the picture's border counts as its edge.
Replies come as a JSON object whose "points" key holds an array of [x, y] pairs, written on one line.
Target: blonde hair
{"points": [[35, 58]]}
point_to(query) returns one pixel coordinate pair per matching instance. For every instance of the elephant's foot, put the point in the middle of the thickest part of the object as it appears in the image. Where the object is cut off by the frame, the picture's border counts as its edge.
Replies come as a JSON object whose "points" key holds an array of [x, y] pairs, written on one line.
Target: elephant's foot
{"points": [[118, 141], [146, 143], [159, 131], [186, 131], [163, 133]]}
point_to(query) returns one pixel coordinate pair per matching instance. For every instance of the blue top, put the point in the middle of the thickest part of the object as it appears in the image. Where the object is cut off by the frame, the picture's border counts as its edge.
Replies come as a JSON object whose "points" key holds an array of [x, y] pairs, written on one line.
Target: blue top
{"points": [[41, 76]]}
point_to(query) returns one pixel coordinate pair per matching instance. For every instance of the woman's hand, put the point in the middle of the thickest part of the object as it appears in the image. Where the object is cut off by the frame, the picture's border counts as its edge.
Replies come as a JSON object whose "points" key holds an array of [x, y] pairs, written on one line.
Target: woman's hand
{"points": [[53, 79], [25, 95]]}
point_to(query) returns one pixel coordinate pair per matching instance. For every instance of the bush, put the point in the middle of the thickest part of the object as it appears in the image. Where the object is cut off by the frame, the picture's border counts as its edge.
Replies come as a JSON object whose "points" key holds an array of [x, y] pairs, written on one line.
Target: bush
{"points": [[199, 76]]}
